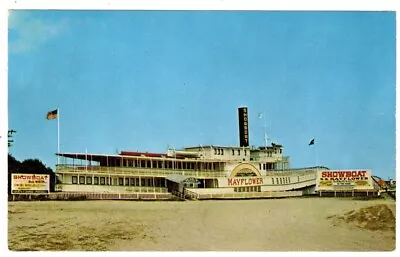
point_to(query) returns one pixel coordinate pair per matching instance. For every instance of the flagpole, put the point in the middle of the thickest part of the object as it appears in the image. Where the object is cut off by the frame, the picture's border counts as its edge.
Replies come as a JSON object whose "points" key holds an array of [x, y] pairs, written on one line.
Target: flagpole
{"points": [[58, 134], [265, 132], [262, 116]]}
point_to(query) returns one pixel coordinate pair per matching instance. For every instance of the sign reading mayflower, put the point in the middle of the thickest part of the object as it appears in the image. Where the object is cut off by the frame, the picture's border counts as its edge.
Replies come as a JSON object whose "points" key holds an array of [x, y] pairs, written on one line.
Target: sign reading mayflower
{"points": [[343, 180], [30, 183]]}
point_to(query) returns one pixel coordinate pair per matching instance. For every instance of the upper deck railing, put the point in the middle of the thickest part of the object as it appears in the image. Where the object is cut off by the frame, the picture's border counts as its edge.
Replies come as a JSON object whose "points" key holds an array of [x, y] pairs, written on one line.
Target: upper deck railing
{"points": [[138, 171]]}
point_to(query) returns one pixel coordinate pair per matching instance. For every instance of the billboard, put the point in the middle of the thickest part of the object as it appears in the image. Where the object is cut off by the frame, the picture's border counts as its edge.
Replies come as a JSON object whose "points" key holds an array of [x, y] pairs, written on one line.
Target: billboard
{"points": [[30, 183], [343, 180], [243, 126]]}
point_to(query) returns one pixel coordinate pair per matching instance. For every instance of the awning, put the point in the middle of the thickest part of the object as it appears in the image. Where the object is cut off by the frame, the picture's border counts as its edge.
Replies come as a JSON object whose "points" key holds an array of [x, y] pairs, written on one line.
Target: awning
{"points": [[177, 178], [181, 179]]}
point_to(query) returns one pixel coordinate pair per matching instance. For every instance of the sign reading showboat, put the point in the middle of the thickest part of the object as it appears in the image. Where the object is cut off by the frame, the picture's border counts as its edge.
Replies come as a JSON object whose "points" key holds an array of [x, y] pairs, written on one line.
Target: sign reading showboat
{"points": [[30, 183], [335, 180]]}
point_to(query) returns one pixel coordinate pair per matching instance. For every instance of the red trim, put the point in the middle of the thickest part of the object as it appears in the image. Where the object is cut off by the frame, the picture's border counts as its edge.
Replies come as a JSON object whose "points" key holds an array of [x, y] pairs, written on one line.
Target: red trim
{"points": [[143, 154]]}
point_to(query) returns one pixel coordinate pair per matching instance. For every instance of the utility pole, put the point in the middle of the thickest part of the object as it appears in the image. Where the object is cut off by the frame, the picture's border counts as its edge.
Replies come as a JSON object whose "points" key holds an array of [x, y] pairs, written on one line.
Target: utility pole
{"points": [[10, 136]]}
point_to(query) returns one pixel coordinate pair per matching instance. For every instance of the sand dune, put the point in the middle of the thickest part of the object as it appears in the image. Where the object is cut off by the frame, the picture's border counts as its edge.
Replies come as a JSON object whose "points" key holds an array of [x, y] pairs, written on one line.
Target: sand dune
{"points": [[306, 224]]}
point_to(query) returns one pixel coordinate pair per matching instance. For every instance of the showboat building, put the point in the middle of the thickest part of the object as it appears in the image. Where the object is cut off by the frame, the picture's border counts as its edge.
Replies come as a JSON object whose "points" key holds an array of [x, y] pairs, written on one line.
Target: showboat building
{"points": [[197, 172]]}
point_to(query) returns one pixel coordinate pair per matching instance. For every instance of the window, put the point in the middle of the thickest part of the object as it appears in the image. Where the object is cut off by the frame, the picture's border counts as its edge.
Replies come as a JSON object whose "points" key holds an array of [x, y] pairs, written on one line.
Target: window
{"points": [[126, 181], [222, 151], [81, 180], [280, 150], [245, 152], [96, 180], [215, 151], [233, 151], [137, 182], [89, 180], [238, 151], [102, 180], [121, 181], [273, 181], [74, 180], [132, 182], [264, 166]]}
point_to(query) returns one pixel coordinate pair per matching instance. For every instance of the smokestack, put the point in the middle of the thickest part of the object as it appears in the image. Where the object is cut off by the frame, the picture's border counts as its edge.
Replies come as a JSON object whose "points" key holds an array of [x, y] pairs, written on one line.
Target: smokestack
{"points": [[243, 127]]}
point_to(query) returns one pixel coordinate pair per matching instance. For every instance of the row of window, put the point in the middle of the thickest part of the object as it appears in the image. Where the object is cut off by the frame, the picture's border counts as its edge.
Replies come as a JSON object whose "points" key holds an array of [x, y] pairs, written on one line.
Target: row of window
{"points": [[248, 189], [220, 151], [143, 181], [267, 166], [164, 164], [238, 152], [279, 181]]}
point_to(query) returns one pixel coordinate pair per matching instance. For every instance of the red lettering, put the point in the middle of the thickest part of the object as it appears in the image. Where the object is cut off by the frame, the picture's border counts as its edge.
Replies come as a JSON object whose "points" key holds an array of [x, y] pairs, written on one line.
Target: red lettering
{"points": [[229, 182], [242, 181], [341, 174], [354, 173]]}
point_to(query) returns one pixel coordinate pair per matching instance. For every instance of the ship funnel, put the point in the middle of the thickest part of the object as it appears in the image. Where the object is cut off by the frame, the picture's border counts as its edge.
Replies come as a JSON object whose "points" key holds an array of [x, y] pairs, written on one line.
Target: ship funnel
{"points": [[243, 126]]}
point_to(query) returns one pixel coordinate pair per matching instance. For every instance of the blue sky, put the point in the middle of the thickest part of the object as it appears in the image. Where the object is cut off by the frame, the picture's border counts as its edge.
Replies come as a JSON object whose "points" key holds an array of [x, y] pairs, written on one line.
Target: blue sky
{"points": [[143, 80]]}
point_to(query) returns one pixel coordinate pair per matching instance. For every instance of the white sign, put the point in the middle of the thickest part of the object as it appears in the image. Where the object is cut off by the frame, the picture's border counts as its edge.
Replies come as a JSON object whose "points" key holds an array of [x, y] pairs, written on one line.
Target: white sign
{"points": [[343, 180], [30, 183]]}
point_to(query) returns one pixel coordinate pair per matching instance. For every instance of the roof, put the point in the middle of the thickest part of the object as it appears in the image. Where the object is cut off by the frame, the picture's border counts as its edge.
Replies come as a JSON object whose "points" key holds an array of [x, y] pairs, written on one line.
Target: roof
{"points": [[143, 154], [88, 156], [217, 146], [102, 157]]}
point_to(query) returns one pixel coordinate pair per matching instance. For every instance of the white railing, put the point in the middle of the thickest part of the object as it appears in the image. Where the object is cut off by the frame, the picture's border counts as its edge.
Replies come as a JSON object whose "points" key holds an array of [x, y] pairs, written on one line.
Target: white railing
{"points": [[245, 195], [138, 171]]}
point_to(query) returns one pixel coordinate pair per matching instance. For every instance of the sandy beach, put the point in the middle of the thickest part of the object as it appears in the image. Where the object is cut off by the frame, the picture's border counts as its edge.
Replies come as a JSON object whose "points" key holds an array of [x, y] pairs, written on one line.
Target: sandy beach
{"points": [[295, 224]]}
